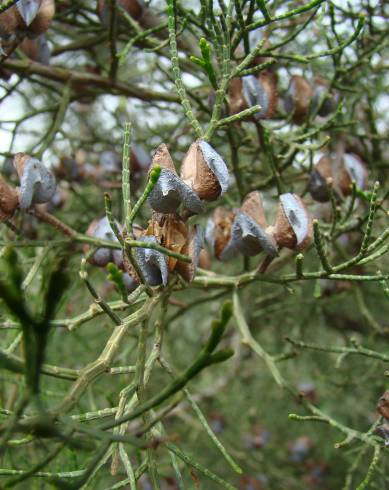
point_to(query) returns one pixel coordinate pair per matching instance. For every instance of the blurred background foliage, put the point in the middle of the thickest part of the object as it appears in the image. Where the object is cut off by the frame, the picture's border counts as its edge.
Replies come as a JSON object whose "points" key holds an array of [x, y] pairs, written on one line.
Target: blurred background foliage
{"points": [[107, 65]]}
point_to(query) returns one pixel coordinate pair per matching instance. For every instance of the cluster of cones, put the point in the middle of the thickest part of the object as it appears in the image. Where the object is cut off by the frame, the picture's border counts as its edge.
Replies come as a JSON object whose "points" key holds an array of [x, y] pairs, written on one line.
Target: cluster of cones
{"points": [[246, 230], [203, 177], [300, 98]]}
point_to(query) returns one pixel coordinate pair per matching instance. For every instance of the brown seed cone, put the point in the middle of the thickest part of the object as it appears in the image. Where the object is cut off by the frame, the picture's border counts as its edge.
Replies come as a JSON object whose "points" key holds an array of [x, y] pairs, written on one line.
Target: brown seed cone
{"points": [[343, 181], [235, 95], [30, 48], [19, 162], [253, 207], [269, 83], [9, 200], [205, 260], [283, 231], [162, 158], [340, 177], [364, 174], [324, 167], [9, 22], [185, 269], [42, 21], [238, 103], [302, 97], [171, 232], [383, 405], [223, 219], [198, 176], [134, 8]]}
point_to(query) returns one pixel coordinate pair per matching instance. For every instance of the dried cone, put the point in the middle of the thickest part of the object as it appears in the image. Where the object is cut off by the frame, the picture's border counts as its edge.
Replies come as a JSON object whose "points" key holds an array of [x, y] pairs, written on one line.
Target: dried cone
{"points": [[293, 225], [9, 200], [268, 81], [326, 171], [204, 171], [320, 90], [36, 49], [37, 183], [100, 228], [171, 191], [318, 181], [162, 158], [205, 261], [236, 98], [356, 170], [20, 160], [171, 232], [253, 207], [383, 405], [254, 90], [8, 24], [219, 231], [135, 8], [192, 249], [298, 98], [250, 483], [42, 20]]}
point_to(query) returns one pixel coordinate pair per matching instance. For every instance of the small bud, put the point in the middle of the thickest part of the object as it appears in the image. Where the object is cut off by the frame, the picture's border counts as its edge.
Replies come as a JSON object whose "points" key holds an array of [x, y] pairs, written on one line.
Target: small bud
{"points": [[9, 200], [383, 405], [170, 191], [204, 171], [37, 183], [298, 98], [293, 226]]}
